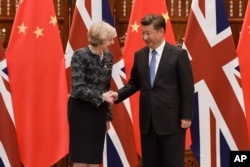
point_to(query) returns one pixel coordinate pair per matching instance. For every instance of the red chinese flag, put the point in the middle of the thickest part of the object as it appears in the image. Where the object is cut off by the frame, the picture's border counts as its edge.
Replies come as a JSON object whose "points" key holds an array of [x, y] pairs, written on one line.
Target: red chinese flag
{"points": [[38, 84], [244, 61], [134, 42], [9, 154]]}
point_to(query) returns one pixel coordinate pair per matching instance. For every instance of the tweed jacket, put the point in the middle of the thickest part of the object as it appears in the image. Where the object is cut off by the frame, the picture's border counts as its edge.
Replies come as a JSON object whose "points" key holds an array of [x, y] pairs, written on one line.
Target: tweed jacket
{"points": [[91, 77]]}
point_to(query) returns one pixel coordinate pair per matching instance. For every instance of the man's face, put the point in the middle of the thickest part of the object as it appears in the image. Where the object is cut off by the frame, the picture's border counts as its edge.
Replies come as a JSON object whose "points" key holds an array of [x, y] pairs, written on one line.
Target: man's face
{"points": [[152, 37]]}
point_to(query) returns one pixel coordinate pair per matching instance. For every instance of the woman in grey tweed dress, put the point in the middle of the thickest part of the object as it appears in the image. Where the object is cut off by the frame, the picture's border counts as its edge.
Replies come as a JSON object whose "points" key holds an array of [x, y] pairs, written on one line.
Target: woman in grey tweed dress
{"points": [[89, 101]]}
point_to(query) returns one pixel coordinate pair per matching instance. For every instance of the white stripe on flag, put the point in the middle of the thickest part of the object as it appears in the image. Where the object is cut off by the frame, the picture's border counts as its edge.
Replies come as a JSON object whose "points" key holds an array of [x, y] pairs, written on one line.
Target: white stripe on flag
{"points": [[3, 155], [68, 55], [86, 18], [105, 161], [5, 93]]}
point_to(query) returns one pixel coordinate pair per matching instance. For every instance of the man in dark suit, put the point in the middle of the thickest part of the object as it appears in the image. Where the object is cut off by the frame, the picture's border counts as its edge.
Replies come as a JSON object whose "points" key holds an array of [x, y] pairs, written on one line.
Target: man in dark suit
{"points": [[166, 105]]}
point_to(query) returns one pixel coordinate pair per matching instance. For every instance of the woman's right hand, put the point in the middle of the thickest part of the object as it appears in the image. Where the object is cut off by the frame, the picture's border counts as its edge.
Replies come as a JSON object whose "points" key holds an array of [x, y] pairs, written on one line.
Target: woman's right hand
{"points": [[108, 97]]}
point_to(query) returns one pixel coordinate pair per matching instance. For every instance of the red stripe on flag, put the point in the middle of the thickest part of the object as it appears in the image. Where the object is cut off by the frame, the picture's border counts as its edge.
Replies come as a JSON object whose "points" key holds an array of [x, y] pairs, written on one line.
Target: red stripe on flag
{"points": [[88, 5], [202, 7], [77, 34]]}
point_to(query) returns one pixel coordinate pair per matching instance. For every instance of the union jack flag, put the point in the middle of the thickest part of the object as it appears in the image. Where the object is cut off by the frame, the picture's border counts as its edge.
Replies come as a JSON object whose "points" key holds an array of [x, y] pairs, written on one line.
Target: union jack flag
{"points": [[120, 147], [9, 154], [219, 123]]}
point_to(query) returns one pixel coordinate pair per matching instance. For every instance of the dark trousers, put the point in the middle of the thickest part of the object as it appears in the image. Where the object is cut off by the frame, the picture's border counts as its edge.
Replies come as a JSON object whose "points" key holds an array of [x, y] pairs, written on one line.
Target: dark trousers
{"points": [[163, 150]]}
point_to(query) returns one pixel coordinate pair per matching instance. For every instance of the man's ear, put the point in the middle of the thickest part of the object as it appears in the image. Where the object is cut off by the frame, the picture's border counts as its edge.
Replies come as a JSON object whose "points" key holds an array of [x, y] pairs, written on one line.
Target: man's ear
{"points": [[162, 31]]}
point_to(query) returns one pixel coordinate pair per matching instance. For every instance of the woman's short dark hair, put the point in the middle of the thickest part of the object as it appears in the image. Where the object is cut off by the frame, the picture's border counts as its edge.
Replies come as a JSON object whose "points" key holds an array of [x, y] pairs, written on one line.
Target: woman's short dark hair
{"points": [[157, 21]]}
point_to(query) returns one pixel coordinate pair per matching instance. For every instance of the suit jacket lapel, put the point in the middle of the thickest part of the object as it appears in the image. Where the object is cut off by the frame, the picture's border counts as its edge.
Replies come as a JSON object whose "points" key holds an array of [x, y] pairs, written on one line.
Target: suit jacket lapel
{"points": [[163, 62]]}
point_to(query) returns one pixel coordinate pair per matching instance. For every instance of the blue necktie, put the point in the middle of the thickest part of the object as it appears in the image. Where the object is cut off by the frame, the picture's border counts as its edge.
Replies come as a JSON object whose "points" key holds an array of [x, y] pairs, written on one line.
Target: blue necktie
{"points": [[152, 67]]}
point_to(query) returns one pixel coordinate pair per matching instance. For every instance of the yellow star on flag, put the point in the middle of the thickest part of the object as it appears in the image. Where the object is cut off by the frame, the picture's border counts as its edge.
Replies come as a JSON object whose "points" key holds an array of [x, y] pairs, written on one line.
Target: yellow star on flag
{"points": [[166, 16], [53, 20], [38, 32], [135, 27], [22, 28]]}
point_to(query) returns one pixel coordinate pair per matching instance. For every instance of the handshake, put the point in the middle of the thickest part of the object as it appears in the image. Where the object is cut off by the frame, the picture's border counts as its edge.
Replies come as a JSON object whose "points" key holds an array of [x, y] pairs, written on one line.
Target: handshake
{"points": [[110, 96]]}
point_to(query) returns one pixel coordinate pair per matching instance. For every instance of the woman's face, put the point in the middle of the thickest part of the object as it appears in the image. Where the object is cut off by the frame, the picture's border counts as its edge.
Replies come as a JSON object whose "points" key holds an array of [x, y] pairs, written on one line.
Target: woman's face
{"points": [[106, 43]]}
